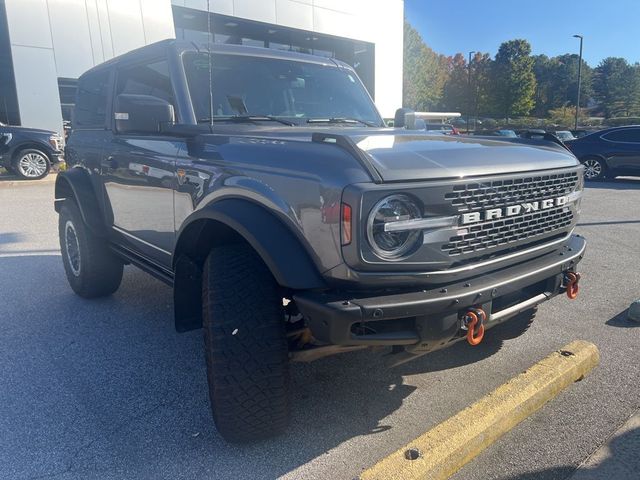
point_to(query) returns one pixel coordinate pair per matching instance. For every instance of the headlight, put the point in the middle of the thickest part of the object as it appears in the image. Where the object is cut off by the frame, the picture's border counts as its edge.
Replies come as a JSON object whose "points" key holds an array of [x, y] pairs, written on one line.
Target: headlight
{"points": [[56, 142], [393, 244]]}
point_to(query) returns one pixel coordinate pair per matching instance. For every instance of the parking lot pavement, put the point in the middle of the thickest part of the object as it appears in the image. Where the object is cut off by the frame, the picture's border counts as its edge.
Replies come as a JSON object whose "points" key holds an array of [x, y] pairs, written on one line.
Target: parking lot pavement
{"points": [[106, 389]]}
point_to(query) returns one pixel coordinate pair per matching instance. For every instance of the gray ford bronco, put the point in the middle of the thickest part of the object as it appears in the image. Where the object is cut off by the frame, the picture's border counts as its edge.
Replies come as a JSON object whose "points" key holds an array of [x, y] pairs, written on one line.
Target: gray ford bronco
{"points": [[264, 187]]}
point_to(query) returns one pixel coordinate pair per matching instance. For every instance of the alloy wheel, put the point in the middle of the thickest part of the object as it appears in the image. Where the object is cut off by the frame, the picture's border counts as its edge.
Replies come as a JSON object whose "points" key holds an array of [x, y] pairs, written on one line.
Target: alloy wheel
{"points": [[32, 165], [72, 247], [592, 169]]}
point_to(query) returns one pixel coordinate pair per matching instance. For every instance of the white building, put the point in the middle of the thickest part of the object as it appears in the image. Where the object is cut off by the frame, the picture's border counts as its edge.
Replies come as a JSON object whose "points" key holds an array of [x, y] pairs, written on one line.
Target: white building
{"points": [[45, 45]]}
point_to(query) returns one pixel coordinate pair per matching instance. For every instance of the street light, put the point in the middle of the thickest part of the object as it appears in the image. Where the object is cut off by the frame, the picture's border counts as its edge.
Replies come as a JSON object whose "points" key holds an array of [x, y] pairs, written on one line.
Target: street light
{"points": [[469, 97], [579, 80]]}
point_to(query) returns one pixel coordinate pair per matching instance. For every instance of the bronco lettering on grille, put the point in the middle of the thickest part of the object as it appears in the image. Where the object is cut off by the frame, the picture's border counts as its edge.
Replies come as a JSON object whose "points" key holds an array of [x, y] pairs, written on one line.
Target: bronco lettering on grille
{"points": [[512, 210]]}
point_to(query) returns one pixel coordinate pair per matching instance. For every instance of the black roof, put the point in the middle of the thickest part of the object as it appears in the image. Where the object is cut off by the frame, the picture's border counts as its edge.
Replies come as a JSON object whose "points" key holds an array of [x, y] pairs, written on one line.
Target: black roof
{"points": [[179, 46]]}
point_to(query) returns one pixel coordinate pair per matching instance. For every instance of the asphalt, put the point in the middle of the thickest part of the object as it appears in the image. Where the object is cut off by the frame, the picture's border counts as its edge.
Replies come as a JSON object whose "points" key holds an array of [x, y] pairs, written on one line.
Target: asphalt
{"points": [[106, 388]]}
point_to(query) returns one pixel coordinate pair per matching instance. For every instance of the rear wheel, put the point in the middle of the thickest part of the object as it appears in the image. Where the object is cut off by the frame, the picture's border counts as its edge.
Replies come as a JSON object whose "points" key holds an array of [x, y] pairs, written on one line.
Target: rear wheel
{"points": [[31, 164], [245, 345], [594, 168], [92, 269]]}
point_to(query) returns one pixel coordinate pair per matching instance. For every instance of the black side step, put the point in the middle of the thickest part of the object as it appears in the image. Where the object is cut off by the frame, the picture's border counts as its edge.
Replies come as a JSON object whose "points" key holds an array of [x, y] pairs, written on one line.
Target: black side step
{"points": [[143, 264]]}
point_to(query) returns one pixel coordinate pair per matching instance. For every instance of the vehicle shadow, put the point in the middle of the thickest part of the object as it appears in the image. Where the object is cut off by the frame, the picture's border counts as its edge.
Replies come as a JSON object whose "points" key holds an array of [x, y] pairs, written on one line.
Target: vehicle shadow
{"points": [[622, 321], [104, 383], [622, 463]]}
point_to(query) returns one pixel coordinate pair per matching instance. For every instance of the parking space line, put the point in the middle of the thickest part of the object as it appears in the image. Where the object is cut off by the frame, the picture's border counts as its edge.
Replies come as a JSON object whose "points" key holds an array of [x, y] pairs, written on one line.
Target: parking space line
{"points": [[443, 450]]}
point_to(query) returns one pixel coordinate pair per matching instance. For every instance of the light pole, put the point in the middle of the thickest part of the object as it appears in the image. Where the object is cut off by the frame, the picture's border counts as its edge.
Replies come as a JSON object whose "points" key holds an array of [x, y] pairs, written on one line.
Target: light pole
{"points": [[579, 80], [469, 96]]}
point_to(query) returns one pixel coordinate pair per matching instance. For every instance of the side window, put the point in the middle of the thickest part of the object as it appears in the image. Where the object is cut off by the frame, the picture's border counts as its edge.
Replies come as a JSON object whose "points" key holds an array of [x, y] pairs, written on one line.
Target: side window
{"points": [[91, 101], [627, 135], [147, 79]]}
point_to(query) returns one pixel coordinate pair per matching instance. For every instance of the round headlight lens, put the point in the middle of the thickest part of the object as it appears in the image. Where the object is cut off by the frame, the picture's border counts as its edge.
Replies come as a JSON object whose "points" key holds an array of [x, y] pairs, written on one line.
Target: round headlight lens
{"points": [[392, 245]]}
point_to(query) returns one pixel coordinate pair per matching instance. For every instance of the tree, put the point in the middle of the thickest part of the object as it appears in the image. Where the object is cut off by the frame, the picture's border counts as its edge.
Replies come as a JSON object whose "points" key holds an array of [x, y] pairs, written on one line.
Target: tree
{"points": [[616, 87], [513, 79], [425, 72], [456, 88]]}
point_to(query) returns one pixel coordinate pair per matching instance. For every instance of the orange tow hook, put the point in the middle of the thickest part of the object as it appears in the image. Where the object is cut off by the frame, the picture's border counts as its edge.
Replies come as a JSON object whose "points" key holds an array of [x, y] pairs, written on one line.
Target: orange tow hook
{"points": [[473, 318], [573, 288]]}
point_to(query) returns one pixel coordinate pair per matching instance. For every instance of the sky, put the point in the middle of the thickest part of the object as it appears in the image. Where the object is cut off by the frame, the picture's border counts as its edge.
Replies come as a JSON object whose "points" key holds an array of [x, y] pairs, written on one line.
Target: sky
{"points": [[611, 28]]}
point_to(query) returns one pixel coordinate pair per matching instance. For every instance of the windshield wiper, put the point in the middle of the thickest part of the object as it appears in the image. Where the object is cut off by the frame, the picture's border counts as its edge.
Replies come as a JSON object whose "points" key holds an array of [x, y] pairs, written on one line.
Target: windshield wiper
{"points": [[247, 119], [350, 121]]}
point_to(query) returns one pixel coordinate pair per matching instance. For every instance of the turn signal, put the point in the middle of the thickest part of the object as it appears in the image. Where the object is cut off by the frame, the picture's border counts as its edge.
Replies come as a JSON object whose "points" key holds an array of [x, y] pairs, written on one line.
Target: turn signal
{"points": [[345, 224]]}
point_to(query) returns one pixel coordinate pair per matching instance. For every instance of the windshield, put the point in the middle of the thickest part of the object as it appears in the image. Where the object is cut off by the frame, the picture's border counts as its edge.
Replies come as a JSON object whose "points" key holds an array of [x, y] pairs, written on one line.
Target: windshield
{"points": [[292, 90]]}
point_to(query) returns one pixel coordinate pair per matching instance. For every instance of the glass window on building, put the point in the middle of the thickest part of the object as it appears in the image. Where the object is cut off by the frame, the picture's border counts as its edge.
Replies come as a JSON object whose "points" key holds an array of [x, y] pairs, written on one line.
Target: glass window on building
{"points": [[192, 25], [9, 111], [68, 89]]}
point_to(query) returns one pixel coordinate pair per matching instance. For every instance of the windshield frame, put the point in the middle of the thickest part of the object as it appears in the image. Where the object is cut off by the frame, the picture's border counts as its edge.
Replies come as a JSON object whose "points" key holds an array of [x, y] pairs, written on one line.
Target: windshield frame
{"points": [[300, 122]]}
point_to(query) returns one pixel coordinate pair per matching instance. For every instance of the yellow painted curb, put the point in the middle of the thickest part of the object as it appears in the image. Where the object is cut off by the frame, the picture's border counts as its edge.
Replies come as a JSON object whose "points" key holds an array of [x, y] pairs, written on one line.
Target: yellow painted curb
{"points": [[446, 448]]}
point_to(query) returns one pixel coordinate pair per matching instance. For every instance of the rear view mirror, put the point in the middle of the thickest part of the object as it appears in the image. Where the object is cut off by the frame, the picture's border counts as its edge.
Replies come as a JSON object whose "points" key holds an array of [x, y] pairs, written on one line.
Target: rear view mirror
{"points": [[142, 114]]}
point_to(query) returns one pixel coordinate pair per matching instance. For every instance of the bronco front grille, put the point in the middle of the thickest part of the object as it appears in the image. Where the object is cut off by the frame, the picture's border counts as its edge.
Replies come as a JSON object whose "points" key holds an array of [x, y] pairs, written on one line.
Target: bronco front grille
{"points": [[476, 196], [508, 230]]}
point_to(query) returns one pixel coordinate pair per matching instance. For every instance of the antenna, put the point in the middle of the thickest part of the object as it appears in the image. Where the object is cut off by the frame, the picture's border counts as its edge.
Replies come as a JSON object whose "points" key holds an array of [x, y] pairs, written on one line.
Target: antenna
{"points": [[209, 41]]}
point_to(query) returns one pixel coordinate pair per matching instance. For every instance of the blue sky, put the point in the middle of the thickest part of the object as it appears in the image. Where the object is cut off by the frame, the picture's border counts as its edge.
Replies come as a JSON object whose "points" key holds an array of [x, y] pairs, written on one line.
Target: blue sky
{"points": [[610, 27]]}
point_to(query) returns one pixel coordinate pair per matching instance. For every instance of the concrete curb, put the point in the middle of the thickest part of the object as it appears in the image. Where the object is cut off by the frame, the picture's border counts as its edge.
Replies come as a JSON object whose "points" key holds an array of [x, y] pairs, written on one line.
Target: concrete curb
{"points": [[11, 181], [443, 450]]}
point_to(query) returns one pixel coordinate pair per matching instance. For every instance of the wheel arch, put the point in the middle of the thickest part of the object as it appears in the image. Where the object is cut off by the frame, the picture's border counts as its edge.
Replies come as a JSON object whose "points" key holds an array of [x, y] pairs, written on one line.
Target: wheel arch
{"points": [[232, 221], [18, 149], [75, 184]]}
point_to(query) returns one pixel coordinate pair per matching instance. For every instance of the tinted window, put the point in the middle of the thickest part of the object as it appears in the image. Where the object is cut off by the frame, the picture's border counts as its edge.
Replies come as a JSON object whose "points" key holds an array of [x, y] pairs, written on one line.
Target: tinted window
{"points": [[147, 79], [282, 88], [626, 135], [91, 103]]}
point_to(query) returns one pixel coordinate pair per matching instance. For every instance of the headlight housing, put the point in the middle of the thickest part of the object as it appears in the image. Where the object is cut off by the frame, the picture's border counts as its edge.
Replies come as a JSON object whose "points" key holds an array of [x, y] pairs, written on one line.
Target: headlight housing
{"points": [[56, 142], [391, 245]]}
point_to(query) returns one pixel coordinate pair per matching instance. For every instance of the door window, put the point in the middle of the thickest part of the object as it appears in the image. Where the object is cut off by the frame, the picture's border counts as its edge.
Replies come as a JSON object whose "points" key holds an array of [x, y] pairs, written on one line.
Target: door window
{"points": [[630, 135], [147, 79]]}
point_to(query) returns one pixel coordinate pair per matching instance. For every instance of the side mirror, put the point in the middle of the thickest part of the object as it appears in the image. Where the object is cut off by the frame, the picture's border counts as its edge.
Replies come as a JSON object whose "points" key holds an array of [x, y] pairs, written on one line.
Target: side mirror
{"points": [[142, 114], [399, 121]]}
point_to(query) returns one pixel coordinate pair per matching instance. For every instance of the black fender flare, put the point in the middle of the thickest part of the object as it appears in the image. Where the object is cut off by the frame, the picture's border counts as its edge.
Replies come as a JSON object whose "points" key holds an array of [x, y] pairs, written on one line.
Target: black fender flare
{"points": [[282, 251], [75, 184]]}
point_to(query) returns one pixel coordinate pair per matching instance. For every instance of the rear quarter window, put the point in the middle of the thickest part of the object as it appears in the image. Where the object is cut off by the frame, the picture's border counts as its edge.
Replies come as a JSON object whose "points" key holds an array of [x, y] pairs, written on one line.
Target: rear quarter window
{"points": [[91, 101], [631, 135]]}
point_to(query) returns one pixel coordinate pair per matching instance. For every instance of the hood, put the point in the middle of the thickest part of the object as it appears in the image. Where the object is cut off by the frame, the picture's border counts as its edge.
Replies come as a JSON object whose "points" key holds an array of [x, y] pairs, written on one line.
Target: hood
{"points": [[401, 155], [18, 129], [406, 157]]}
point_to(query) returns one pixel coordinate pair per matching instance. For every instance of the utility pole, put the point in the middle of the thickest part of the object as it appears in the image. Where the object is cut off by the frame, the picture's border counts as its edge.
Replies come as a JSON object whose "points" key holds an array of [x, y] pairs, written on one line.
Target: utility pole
{"points": [[469, 96], [579, 80]]}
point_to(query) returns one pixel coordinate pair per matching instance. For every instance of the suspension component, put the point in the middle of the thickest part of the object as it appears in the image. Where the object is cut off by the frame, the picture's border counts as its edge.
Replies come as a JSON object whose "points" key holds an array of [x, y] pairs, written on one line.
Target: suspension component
{"points": [[474, 321], [571, 280]]}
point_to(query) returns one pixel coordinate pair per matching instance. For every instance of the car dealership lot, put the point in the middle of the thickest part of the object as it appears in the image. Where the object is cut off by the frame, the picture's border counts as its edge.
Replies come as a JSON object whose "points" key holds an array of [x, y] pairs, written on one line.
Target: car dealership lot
{"points": [[107, 389]]}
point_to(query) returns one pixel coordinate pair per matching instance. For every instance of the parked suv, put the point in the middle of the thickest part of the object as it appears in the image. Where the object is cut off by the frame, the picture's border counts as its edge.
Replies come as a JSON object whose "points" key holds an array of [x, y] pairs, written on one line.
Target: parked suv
{"points": [[608, 153], [29, 152], [264, 188]]}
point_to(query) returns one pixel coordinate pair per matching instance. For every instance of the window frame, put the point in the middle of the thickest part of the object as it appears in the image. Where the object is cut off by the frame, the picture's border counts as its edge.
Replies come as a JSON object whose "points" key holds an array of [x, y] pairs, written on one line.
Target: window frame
{"points": [[637, 129], [136, 63], [108, 99]]}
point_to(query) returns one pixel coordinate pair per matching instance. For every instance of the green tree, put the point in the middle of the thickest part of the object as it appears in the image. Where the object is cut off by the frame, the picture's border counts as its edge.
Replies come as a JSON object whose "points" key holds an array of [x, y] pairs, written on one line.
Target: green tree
{"points": [[616, 87], [425, 72], [513, 79], [456, 96], [481, 65]]}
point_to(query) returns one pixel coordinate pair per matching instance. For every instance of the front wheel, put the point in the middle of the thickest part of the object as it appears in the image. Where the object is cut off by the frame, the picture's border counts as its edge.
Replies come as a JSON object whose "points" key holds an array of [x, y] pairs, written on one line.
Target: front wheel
{"points": [[92, 269], [32, 164], [245, 345], [594, 168]]}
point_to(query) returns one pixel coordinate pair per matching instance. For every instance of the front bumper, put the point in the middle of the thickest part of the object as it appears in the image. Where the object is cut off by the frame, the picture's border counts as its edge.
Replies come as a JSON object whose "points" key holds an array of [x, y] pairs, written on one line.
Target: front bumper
{"points": [[432, 317]]}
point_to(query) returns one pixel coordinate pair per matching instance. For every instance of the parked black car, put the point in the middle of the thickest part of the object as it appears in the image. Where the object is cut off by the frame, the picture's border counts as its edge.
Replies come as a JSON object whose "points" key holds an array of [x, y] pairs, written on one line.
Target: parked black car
{"points": [[29, 152], [608, 153]]}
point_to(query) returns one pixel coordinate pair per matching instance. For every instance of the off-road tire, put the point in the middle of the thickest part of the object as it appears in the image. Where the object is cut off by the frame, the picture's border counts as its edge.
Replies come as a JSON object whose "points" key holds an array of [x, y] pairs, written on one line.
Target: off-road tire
{"points": [[96, 271], [245, 345]]}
